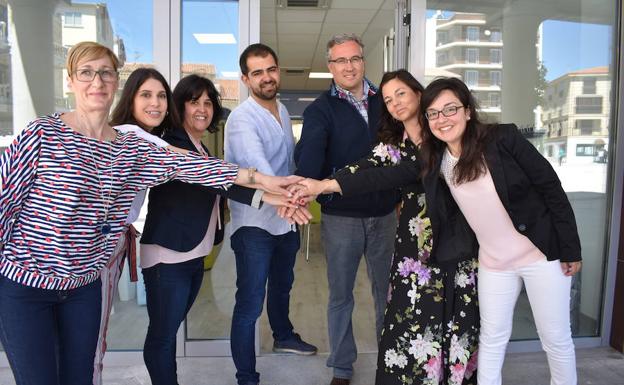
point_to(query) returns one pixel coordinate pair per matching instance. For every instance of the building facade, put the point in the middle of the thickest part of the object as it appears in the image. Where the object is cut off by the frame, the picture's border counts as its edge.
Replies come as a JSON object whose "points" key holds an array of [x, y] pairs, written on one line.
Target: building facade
{"points": [[469, 46], [575, 116]]}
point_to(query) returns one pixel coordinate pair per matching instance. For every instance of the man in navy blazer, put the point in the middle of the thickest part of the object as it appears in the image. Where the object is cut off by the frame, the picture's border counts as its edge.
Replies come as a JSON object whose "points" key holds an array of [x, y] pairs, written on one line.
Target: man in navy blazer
{"points": [[339, 128]]}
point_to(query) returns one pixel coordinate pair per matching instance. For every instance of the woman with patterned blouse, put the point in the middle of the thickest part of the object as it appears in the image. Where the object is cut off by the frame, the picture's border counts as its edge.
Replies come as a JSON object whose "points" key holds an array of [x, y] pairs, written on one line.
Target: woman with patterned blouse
{"points": [[67, 183], [430, 333]]}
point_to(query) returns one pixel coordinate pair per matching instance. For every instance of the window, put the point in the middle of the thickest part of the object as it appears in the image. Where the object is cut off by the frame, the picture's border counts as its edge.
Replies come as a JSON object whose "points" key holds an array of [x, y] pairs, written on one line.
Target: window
{"points": [[471, 77], [495, 78], [472, 33], [73, 19], [496, 56], [496, 36], [588, 105], [442, 37], [589, 86], [588, 126], [442, 58], [495, 99], [472, 55], [585, 150]]}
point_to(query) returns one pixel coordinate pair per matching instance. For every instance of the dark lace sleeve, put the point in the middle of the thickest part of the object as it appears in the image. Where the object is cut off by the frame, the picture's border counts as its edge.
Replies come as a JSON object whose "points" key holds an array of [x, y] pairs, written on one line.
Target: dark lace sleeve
{"points": [[380, 156]]}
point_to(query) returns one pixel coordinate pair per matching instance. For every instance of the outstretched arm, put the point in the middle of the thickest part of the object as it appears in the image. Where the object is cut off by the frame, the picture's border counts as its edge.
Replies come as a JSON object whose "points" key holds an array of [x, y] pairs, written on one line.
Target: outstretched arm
{"points": [[379, 178], [360, 182]]}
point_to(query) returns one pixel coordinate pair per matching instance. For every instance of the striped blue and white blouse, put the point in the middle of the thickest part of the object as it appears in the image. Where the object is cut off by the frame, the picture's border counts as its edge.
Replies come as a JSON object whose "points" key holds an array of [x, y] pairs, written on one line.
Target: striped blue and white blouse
{"points": [[55, 185]]}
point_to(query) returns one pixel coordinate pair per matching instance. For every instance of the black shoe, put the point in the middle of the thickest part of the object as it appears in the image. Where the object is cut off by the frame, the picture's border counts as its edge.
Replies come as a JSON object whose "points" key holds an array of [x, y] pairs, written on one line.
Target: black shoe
{"points": [[340, 381], [294, 345]]}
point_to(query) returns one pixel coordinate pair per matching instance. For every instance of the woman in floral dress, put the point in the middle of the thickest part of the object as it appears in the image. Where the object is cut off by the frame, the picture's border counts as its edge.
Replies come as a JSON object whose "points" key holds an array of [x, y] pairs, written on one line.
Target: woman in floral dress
{"points": [[430, 333]]}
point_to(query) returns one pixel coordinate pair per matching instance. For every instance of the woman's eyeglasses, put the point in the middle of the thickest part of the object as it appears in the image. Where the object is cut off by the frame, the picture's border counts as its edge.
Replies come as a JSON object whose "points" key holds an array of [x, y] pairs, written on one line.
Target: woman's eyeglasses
{"points": [[87, 75], [446, 111]]}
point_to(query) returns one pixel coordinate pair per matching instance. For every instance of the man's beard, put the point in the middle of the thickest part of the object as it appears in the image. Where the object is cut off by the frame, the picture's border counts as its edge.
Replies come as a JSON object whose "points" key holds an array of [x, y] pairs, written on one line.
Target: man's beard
{"points": [[266, 95]]}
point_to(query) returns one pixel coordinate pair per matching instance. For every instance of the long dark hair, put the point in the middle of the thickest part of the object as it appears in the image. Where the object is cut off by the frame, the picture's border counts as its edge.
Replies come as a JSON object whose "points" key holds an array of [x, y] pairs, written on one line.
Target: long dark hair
{"points": [[191, 88], [471, 162], [391, 130], [123, 112]]}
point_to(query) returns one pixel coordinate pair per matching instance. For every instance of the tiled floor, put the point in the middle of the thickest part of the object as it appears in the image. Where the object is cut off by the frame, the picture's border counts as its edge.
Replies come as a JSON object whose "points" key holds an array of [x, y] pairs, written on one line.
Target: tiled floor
{"points": [[599, 366], [210, 317]]}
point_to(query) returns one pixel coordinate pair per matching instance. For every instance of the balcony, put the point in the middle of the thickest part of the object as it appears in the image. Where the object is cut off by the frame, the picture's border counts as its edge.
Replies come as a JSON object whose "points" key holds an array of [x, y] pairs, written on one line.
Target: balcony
{"points": [[464, 64], [490, 107], [465, 43]]}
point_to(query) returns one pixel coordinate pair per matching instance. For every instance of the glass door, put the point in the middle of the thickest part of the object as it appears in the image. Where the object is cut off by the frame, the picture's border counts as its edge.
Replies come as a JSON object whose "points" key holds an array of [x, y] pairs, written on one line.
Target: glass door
{"points": [[210, 43], [548, 67], [299, 34]]}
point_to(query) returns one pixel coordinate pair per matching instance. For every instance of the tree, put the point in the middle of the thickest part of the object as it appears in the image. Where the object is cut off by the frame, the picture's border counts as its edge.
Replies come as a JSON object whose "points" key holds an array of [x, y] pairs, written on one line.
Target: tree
{"points": [[541, 84]]}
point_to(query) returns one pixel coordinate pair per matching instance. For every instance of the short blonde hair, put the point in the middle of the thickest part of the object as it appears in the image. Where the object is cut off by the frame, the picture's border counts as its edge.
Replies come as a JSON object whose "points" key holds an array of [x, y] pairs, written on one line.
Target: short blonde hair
{"points": [[86, 51]]}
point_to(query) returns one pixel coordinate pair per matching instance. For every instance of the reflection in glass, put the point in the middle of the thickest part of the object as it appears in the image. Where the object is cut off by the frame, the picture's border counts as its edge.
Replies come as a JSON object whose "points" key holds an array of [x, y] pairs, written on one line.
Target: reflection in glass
{"points": [[550, 74]]}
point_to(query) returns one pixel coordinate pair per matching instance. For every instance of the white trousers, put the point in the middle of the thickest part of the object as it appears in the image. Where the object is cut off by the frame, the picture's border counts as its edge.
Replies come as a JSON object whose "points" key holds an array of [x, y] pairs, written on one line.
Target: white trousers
{"points": [[548, 290]]}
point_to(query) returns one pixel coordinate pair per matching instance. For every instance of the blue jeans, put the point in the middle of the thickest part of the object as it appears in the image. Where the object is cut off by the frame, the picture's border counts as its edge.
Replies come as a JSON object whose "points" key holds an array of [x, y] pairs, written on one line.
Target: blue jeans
{"points": [[260, 256], [50, 336], [345, 240], [170, 292]]}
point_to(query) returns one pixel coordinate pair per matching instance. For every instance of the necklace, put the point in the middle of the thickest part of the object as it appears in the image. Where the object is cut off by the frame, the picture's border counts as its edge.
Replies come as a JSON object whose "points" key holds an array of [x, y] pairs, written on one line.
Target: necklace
{"points": [[198, 145], [104, 227]]}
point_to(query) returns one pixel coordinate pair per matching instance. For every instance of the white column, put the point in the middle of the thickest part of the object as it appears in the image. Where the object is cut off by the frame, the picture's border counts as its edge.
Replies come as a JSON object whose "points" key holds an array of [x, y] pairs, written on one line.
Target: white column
{"points": [[520, 25], [32, 59], [162, 36], [417, 48]]}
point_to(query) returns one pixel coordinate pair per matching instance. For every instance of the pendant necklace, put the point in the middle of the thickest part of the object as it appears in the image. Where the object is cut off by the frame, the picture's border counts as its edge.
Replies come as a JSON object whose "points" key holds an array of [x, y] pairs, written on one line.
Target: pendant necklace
{"points": [[104, 227]]}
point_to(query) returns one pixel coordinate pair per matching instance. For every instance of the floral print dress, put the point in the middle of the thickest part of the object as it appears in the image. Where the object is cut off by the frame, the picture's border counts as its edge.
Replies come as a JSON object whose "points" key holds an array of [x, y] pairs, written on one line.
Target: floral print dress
{"points": [[430, 333]]}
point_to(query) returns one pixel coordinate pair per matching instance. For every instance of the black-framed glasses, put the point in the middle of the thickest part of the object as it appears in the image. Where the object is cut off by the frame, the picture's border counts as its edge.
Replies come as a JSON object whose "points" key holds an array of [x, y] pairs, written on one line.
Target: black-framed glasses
{"points": [[355, 60], [87, 75], [446, 111]]}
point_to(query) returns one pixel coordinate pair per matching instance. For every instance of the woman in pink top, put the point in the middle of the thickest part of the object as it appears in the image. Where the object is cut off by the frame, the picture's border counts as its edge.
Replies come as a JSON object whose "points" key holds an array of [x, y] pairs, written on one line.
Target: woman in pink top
{"points": [[514, 202]]}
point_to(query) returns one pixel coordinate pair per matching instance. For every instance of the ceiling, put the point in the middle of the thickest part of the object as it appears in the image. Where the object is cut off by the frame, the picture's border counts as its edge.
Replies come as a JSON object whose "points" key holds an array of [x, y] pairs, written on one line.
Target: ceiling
{"points": [[299, 34]]}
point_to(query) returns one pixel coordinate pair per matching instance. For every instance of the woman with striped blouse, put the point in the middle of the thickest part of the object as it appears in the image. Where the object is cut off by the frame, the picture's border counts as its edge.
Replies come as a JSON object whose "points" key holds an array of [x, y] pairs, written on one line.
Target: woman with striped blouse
{"points": [[67, 183]]}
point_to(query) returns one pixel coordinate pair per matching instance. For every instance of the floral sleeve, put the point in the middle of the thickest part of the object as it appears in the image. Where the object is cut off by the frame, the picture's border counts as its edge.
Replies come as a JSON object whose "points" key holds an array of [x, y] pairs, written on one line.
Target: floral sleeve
{"points": [[381, 155]]}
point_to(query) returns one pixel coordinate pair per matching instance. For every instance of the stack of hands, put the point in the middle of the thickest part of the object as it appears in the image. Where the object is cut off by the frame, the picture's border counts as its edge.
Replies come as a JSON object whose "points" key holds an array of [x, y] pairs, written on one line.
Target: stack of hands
{"points": [[292, 194]]}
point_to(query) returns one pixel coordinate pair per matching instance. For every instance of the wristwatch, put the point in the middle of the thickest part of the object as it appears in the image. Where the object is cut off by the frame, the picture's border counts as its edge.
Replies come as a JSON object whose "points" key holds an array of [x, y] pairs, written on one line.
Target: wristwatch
{"points": [[251, 175]]}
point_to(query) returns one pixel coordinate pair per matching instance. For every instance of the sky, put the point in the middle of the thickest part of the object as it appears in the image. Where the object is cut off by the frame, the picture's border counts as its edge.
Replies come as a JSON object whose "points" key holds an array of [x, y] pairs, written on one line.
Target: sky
{"points": [[567, 46], [570, 46]]}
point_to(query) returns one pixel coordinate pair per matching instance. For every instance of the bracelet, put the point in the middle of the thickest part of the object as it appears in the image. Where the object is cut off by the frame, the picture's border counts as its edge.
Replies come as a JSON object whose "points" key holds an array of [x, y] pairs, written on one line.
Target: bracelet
{"points": [[251, 175]]}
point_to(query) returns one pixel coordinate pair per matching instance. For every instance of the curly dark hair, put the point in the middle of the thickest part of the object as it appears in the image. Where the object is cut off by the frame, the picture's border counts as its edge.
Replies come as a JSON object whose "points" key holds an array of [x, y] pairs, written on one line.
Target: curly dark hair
{"points": [[123, 112], [191, 88], [391, 130], [471, 162]]}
